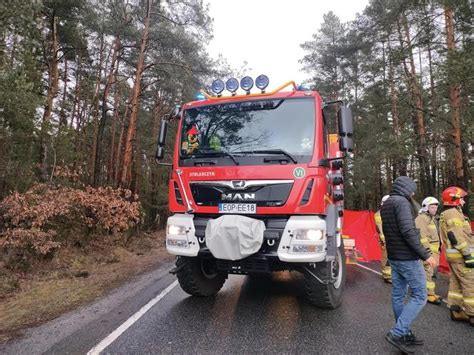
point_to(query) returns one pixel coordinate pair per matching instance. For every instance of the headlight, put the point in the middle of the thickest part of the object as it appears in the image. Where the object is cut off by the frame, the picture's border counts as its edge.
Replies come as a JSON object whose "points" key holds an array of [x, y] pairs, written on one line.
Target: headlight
{"points": [[308, 234], [176, 230]]}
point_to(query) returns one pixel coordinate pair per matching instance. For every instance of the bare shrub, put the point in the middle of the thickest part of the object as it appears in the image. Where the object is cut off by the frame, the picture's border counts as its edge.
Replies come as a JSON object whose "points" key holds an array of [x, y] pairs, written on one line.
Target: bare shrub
{"points": [[46, 217]]}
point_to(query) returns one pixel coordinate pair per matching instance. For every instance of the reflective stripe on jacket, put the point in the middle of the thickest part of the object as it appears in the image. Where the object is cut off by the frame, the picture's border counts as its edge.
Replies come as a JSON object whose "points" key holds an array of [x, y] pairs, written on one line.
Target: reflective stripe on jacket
{"points": [[429, 234], [453, 220]]}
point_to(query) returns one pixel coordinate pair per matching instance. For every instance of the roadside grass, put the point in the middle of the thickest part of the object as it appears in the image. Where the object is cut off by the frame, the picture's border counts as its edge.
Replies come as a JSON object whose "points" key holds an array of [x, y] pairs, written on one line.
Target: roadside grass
{"points": [[72, 278]]}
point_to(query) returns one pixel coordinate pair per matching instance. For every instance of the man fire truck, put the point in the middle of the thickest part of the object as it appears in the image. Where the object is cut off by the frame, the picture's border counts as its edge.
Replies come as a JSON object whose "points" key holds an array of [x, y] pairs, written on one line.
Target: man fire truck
{"points": [[256, 187]]}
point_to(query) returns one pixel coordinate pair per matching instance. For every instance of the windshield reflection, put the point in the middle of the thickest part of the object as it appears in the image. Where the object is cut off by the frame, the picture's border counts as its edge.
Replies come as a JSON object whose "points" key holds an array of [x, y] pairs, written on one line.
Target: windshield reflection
{"points": [[284, 127]]}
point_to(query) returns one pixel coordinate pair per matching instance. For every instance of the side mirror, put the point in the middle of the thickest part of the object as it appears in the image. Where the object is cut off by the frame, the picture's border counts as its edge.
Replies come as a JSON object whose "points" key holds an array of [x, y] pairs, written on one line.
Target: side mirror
{"points": [[160, 153], [163, 131], [346, 129], [346, 144], [160, 150]]}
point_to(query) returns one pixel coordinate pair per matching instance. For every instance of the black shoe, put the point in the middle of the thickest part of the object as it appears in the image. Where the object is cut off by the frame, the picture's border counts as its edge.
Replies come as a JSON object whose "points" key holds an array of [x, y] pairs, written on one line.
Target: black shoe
{"points": [[411, 339], [399, 342]]}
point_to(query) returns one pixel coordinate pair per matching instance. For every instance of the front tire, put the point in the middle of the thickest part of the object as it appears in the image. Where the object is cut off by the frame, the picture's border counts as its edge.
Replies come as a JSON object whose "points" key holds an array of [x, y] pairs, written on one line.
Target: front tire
{"points": [[198, 277], [327, 296]]}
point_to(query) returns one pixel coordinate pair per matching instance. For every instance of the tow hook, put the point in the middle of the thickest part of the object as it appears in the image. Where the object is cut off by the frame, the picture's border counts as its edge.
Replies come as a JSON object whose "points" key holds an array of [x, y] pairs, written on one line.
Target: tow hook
{"points": [[324, 282], [175, 270]]}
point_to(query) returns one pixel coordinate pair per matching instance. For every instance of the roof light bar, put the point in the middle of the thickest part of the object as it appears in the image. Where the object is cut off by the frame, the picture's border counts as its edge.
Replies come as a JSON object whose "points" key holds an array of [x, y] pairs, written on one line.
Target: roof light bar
{"points": [[246, 83]]}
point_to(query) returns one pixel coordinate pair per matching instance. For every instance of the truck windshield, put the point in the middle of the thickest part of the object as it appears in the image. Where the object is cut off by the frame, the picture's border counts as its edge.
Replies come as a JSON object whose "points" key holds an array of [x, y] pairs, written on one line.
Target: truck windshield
{"points": [[272, 130]]}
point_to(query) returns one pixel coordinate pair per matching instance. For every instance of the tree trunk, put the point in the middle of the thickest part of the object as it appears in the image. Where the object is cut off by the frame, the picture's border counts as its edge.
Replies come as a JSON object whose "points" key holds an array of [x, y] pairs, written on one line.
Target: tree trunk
{"points": [[53, 79], [399, 165], [77, 90], [419, 122], [118, 154], [135, 103], [112, 157], [62, 114], [103, 119], [454, 100], [95, 113]]}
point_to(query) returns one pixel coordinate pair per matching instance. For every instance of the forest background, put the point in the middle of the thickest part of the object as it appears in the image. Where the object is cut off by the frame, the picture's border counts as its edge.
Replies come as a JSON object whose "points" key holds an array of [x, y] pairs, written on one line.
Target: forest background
{"points": [[84, 85]]}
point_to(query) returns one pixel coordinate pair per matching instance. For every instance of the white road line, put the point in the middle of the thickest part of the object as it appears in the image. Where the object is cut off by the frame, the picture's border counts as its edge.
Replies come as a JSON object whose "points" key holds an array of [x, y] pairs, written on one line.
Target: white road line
{"points": [[129, 322], [368, 268]]}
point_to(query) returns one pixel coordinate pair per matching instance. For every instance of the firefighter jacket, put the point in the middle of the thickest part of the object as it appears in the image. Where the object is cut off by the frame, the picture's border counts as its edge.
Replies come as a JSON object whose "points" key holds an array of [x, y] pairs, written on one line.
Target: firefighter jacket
{"points": [[453, 220], [378, 226], [429, 234]]}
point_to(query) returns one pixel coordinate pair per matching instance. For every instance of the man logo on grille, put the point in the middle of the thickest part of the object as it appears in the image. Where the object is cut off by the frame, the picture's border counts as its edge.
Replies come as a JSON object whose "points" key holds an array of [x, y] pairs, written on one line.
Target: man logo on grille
{"points": [[238, 184]]}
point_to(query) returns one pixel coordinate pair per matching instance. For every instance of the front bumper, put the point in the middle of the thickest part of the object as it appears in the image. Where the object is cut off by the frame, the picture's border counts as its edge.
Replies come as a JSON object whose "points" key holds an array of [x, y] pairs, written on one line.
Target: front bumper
{"points": [[279, 243]]}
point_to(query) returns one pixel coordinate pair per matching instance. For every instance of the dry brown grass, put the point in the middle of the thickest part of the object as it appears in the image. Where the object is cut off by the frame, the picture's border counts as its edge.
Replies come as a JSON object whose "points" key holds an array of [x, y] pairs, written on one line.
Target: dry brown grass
{"points": [[73, 278]]}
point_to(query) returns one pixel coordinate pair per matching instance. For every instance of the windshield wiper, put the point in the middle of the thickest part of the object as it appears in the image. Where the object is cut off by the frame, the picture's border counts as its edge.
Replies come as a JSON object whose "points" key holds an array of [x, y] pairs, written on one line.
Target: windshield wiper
{"points": [[272, 151], [205, 154]]}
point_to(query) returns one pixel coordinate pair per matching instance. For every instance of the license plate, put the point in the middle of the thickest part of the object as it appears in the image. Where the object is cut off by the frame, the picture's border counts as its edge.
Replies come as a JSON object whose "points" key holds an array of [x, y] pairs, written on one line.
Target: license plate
{"points": [[243, 208]]}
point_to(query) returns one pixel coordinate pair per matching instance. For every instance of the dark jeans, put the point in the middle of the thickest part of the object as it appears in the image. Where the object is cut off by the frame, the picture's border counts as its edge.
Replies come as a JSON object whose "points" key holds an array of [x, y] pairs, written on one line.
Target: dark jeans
{"points": [[407, 274]]}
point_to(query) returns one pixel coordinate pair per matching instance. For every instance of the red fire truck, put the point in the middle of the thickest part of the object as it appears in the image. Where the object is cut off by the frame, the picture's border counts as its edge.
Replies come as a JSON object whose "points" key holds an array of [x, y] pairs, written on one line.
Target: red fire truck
{"points": [[256, 187]]}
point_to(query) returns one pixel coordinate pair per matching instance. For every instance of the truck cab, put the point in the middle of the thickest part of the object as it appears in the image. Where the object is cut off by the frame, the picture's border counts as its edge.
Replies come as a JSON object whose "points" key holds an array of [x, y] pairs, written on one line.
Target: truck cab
{"points": [[256, 187]]}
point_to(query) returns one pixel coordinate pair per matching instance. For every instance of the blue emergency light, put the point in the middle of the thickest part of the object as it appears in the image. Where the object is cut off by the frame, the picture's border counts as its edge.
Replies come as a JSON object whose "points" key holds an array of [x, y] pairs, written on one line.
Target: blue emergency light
{"points": [[217, 86], [200, 96], [262, 82], [232, 85], [246, 83]]}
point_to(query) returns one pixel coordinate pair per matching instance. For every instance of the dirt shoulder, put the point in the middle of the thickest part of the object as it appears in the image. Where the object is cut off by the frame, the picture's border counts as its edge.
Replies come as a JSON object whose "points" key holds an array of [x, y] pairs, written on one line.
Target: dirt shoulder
{"points": [[73, 278]]}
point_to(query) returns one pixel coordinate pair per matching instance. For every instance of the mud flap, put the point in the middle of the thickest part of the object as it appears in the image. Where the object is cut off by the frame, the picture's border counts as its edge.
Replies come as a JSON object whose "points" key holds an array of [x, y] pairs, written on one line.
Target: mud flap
{"points": [[331, 230]]}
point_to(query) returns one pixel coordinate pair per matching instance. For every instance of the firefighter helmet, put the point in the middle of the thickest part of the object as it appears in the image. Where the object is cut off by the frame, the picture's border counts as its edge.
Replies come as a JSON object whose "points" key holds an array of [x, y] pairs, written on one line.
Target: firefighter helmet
{"points": [[427, 202], [452, 196]]}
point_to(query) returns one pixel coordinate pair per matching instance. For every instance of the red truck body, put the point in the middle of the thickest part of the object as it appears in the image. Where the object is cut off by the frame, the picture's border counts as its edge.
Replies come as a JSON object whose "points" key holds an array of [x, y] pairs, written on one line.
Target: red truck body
{"points": [[286, 202]]}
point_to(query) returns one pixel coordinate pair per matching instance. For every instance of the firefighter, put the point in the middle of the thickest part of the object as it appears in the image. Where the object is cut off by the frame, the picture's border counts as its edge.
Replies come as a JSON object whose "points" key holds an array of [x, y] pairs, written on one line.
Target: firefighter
{"points": [[429, 237], [386, 269], [457, 235]]}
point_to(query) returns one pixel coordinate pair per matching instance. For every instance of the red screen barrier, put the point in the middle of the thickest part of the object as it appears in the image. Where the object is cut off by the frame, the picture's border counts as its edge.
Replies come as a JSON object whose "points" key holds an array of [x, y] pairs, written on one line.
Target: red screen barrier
{"points": [[360, 226]]}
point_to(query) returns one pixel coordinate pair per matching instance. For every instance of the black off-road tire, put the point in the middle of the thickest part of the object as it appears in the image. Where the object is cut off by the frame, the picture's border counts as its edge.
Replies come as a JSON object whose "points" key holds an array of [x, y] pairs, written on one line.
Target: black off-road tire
{"points": [[198, 277], [321, 295]]}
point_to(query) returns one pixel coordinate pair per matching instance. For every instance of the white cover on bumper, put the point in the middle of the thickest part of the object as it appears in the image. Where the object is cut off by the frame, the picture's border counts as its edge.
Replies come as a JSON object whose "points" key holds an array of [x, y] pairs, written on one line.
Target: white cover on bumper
{"points": [[234, 237]]}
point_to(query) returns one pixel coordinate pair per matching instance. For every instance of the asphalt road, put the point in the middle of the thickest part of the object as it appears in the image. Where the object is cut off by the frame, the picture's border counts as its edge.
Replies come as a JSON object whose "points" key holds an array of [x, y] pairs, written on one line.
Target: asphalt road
{"points": [[249, 315]]}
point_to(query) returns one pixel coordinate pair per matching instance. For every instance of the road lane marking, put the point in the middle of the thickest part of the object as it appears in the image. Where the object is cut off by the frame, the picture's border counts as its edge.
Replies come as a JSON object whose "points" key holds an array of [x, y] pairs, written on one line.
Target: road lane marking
{"points": [[129, 322], [368, 268]]}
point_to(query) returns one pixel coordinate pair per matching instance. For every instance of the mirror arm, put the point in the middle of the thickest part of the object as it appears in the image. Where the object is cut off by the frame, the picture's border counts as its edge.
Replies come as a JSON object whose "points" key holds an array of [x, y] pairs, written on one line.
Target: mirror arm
{"points": [[329, 103]]}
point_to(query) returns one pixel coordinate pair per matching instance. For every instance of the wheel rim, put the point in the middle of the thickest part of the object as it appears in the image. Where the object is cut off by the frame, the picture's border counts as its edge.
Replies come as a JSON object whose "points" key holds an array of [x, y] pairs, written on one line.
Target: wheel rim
{"points": [[336, 270], [207, 271]]}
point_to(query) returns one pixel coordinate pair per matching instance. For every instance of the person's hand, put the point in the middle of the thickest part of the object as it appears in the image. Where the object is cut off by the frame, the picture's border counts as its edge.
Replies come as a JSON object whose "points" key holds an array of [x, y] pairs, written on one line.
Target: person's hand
{"points": [[469, 260], [431, 261]]}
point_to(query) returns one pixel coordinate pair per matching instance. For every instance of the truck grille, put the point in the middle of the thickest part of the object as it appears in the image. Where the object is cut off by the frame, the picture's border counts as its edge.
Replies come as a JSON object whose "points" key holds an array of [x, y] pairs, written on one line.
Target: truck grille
{"points": [[264, 194]]}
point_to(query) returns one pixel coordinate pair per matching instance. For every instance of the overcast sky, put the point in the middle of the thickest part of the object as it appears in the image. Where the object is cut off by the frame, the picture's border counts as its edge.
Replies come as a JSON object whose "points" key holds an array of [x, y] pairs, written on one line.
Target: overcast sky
{"points": [[268, 33]]}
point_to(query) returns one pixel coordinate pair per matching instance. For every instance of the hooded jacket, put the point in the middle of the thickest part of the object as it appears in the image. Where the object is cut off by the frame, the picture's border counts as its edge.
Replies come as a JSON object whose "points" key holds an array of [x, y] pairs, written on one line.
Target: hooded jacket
{"points": [[401, 236]]}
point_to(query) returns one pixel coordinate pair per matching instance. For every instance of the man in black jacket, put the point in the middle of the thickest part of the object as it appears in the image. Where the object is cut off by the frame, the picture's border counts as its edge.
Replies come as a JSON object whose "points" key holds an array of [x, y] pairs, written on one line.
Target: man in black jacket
{"points": [[405, 253]]}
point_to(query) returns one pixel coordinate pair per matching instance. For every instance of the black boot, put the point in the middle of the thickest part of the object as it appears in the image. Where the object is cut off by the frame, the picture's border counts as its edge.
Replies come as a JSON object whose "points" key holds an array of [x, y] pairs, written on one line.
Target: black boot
{"points": [[411, 339], [400, 343]]}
